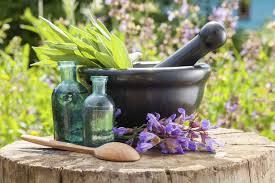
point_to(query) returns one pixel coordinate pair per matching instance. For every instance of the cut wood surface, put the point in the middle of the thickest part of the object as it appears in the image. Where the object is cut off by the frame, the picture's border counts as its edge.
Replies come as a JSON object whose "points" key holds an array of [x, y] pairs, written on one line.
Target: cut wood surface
{"points": [[246, 157]]}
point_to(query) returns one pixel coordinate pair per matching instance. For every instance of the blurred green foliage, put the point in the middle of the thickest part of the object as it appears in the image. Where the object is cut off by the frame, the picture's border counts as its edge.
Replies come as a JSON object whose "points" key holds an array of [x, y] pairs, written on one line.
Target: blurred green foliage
{"points": [[25, 94], [249, 86], [240, 92]]}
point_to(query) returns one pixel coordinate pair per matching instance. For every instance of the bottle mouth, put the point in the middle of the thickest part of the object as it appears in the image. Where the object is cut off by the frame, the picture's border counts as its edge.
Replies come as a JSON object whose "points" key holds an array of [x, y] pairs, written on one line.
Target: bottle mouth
{"points": [[62, 64], [99, 78]]}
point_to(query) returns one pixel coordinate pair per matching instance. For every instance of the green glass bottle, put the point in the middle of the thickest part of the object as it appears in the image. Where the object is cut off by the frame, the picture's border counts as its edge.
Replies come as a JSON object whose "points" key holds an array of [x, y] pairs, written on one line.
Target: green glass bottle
{"points": [[98, 114], [67, 105]]}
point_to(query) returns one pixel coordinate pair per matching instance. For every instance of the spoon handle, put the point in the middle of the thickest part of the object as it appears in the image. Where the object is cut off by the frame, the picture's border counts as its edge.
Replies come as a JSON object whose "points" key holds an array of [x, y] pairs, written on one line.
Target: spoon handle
{"points": [[58, 145]]}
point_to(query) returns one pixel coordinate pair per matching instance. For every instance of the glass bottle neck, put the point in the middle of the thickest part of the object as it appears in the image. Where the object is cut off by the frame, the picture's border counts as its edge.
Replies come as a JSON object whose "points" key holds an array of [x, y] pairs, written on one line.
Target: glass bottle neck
{"points": [[68, 73], [99, 87]]}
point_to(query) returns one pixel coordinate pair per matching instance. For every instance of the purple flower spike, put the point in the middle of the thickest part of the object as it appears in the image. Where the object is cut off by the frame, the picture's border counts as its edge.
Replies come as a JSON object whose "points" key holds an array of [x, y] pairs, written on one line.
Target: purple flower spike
{"points": [[143, 147], [171, 118], [182, 111], [171, 134], [157, 115], [120, 131], [184, 116], [191, 117], [153, 122], [205, 124]]}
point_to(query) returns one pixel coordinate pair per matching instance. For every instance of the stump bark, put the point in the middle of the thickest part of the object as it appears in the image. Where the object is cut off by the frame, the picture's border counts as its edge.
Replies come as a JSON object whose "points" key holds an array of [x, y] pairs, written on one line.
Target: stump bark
{"points": [[245, 158]]}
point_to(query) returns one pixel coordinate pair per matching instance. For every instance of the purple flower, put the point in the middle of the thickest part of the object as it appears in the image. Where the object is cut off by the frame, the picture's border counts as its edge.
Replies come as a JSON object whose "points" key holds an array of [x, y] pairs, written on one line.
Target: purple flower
{"points": [[192, 146], [123, 26], [108, 2], [171, 146], [192, 134], [231, 107], [184, 116], [173, 129], [183, 141], [153, 123], [157, 115], [170, 135], [163, 148], [143, 147], [184, 8], [210, 144], [171, 118], [117, 112], [205, 124], [225, 14], [194, 124], [146, 136], [120, 131]]}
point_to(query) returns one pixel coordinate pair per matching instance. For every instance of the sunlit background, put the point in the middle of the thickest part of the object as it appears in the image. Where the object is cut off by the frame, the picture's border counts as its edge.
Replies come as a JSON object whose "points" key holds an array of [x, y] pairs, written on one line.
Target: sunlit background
{"points": [[240, 92]]}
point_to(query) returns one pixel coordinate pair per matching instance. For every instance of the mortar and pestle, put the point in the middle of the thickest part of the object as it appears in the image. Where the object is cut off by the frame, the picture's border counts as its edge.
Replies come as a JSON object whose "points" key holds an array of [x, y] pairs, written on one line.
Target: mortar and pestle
{"points": [[162, 87]]}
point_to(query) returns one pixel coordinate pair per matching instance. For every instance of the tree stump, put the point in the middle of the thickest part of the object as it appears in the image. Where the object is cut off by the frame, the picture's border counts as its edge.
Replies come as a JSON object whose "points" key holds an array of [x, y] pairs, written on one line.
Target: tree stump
{"points": [[246, 157]]}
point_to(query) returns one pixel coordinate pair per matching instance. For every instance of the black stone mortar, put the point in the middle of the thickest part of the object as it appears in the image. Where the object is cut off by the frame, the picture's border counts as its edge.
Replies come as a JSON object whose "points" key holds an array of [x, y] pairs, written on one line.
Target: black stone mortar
{"points": [[162, 87], [138, 91]]}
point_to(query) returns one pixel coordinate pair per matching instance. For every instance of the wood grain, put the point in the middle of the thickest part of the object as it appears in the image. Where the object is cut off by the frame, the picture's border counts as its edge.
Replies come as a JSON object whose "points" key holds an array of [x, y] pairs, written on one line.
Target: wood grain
{"points": [[246, 157]]}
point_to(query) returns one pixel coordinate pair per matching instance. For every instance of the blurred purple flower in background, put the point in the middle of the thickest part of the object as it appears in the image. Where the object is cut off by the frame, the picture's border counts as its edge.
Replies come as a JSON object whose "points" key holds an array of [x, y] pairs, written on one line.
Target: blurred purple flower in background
{"points": [[50, 80], [231, 107], [225, 15], [181, 12]]}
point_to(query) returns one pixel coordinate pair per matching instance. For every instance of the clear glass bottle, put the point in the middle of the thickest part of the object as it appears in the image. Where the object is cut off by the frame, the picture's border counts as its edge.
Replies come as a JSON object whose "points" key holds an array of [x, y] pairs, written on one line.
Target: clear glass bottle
{"points": [[67, 105], [98, 114]]}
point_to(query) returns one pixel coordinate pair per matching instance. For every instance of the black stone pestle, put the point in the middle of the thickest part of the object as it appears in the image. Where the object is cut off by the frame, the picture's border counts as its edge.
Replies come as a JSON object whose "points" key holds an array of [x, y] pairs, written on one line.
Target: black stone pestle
{"points": [[211, 36]]}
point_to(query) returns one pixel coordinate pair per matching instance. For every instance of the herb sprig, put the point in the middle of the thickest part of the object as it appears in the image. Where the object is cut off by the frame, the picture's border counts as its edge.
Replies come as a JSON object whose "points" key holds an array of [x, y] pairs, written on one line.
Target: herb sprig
{"points": [[91, 45], [172, 135]]}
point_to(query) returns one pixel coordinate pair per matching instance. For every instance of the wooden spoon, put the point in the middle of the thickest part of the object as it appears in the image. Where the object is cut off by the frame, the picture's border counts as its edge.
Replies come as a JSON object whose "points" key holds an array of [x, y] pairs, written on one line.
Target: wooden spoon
{"points": [[113, 151]]}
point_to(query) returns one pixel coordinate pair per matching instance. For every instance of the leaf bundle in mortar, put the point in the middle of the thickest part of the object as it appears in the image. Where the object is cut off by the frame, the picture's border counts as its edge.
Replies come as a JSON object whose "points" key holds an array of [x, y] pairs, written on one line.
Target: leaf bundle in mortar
{"points": [[92, 45]]}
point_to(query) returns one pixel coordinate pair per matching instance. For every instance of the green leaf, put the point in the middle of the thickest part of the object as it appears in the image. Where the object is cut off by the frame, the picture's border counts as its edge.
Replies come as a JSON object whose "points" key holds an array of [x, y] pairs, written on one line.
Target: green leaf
{"points": [[104, 45], [85, 49], [105, 59], [57, 30], [29, 28], [120, 53], [102, 40], [76, 31], [45, 62], [50, 54], [101, 28], [25, 56], [62, 46], [42, 28]]}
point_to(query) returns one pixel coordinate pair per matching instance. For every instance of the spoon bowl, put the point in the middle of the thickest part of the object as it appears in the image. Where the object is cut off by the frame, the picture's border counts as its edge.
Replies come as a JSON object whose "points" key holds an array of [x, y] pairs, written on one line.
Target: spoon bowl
{"points": [[116, 151], [113, 151]]}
